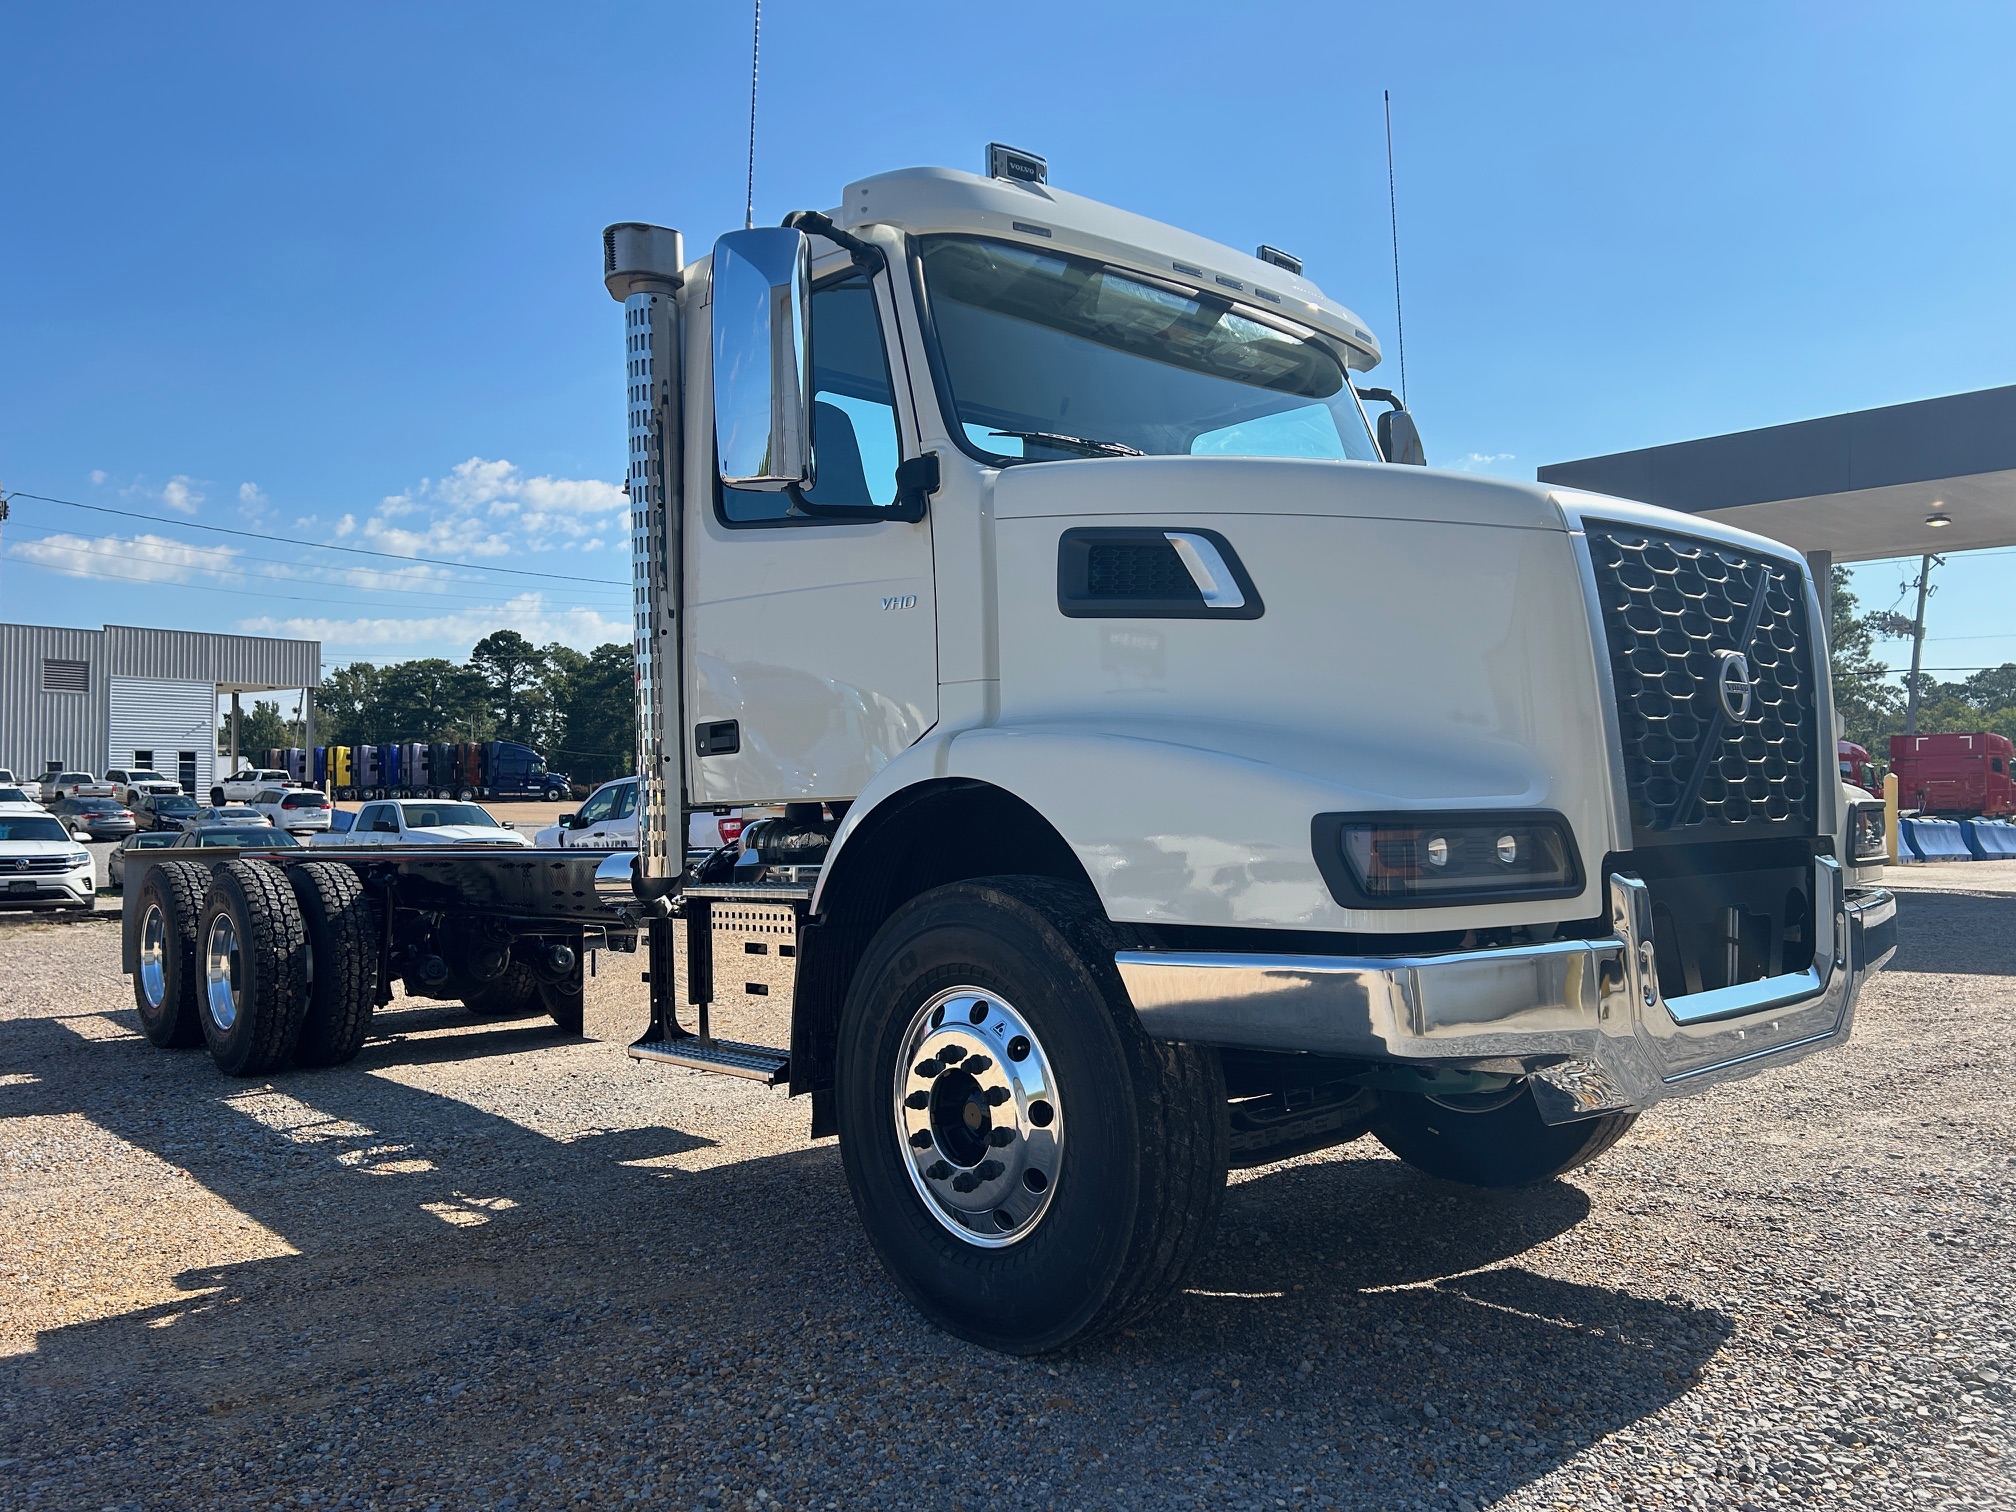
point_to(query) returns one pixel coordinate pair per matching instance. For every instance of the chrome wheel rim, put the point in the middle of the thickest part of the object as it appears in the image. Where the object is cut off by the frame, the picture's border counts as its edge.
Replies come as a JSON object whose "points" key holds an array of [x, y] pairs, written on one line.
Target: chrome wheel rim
{"points": [[223, 963], [154, 955], [978, 1120]]}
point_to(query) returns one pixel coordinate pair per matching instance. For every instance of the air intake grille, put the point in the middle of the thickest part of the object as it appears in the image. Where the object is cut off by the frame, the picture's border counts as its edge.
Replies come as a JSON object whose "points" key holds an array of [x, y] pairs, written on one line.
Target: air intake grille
{"points": [[1148, 569], [1675, 609]]}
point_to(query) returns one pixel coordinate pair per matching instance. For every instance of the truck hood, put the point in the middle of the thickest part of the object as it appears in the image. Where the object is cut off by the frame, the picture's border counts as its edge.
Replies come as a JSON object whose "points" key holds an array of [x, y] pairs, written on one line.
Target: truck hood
{"points": [[1428, 642]]}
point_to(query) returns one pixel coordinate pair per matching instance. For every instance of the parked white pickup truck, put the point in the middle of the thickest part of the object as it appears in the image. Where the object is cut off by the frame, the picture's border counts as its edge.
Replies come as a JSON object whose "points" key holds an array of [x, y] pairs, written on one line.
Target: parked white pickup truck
{"points": [[131, 784], [247, 783], [407, 822]]}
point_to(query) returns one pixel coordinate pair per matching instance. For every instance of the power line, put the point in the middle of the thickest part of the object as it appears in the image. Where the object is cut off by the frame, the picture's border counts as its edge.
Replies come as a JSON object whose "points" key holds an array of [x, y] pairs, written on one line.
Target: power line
{"points": [[229, 568], [254, 535]]}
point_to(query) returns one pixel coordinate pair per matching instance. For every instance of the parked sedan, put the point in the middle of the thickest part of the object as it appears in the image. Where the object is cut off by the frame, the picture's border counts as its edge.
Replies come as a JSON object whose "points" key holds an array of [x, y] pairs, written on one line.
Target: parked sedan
{"points": [[164, 811], [224, 813], [100, 818], [115, 864], [427, 821], [239, 836], [303, 810], [41, 863]]}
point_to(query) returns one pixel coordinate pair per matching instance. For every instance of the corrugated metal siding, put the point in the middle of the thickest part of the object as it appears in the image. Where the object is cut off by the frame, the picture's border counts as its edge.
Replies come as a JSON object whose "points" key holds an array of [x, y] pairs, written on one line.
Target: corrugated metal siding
{"points": [[37, 728], [167, 717], [242, 661]]}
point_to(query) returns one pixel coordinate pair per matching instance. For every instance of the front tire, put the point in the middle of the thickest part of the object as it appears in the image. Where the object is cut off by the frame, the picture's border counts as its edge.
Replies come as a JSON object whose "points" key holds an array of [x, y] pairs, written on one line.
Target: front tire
{"points": [[253, 955], [1497, 1141], [168, 977], [1018, 972], [465, 795]]}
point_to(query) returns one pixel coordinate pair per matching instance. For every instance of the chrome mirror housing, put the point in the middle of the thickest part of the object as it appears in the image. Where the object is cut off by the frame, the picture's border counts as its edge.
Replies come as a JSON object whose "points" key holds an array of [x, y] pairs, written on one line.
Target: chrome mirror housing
{"points": [[762, 308]]}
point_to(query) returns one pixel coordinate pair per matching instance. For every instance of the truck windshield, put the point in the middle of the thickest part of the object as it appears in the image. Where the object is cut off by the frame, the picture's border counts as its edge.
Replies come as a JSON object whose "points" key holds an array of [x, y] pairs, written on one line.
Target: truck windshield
{"points": [[1050, 357]]}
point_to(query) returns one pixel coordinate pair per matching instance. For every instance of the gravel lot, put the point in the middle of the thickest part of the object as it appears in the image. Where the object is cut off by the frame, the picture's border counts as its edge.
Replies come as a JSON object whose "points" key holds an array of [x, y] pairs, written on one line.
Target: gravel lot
{"points": [[486, 1267]]}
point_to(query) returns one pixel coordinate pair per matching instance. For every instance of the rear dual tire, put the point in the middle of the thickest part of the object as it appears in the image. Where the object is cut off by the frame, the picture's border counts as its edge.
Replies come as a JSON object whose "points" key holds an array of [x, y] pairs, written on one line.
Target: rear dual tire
{"points": [[1129, 1197], [253, 953]]}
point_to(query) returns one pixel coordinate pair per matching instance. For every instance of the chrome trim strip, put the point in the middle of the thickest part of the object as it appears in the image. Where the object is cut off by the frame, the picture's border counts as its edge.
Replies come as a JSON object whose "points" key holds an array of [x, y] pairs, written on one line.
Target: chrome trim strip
{"points": [[1207, 569], [1588, 1013]]}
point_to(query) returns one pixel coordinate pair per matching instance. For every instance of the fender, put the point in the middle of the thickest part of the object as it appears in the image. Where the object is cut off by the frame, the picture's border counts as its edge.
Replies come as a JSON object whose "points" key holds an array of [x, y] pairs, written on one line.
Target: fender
{"points": [[1207, 823]]}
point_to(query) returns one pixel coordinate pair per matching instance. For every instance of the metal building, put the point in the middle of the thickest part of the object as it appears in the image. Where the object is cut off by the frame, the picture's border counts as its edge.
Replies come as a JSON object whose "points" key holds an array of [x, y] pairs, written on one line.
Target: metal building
{"points": [[128, 696]]}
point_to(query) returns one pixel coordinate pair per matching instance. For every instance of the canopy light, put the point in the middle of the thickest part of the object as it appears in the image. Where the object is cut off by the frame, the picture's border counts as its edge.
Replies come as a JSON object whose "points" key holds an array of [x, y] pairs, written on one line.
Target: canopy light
{"points": [[1285, 260], [1015, 165], [1938, 519], [1412, 860]]}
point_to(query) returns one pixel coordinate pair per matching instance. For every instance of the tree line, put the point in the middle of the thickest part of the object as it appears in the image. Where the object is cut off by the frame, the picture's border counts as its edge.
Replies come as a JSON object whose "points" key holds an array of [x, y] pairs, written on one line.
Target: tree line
{"points": [[578, 709], [1873, 708]]}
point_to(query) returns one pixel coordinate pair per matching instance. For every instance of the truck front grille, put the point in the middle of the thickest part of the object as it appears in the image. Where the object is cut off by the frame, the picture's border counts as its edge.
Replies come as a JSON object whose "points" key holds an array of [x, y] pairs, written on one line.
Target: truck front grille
{"points": [[1675, 610]]}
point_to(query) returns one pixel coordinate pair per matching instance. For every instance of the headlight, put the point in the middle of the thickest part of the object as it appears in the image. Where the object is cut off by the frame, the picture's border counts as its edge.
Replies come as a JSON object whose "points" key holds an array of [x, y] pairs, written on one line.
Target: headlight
{"points": [[1411, 860], [80, 858], [1868, 840]]}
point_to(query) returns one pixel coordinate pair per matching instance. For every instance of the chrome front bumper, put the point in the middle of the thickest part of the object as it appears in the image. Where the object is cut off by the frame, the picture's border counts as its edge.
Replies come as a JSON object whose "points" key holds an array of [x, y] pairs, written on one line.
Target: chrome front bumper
{"points": [[1585, 1017]]}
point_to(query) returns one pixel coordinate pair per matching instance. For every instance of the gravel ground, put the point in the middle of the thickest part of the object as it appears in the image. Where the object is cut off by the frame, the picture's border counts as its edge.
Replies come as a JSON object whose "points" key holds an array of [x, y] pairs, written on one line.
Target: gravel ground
{"points": [[486, 1267]]}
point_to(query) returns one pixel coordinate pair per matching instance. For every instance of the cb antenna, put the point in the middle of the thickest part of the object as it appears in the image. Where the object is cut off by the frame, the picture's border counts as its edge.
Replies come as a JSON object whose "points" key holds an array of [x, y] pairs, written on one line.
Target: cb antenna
{"points": [[1393, 215], [755, 52]]}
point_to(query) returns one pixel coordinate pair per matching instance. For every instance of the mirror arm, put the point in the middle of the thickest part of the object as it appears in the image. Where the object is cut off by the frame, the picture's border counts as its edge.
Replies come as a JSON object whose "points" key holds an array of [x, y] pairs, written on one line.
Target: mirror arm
{"points": [[916, 481], [1384, 396], [866, 257]]}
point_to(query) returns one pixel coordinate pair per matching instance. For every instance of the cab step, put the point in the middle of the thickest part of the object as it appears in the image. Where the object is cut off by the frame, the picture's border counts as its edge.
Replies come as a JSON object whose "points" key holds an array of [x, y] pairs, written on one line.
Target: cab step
{"points": [[732, 1057]]}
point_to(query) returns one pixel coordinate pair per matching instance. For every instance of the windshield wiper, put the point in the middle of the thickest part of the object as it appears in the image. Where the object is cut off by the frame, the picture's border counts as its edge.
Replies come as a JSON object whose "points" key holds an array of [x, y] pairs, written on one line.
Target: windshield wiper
{"points": [[1074, 443]]}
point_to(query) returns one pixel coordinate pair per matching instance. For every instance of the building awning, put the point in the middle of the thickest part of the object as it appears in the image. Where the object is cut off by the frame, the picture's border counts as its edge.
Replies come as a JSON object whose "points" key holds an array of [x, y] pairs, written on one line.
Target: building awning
{"points": [[1858, 486]]}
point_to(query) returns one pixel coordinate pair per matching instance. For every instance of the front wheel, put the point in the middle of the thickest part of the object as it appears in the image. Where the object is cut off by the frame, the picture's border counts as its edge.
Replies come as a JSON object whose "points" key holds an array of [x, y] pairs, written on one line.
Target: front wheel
{"points": [[1029, 1165], [465, 795], [554, 794], [1490, 1139]]}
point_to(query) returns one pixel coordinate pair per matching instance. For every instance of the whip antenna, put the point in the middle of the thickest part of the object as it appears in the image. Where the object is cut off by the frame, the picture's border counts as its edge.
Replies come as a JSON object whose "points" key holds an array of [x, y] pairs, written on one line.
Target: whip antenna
{"points": [[756, 51], [1393, 214]]}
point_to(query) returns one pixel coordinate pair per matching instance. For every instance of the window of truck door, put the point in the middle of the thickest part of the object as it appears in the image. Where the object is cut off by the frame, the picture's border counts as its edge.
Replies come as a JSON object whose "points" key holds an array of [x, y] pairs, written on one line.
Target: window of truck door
{"points": [[820, 643]]}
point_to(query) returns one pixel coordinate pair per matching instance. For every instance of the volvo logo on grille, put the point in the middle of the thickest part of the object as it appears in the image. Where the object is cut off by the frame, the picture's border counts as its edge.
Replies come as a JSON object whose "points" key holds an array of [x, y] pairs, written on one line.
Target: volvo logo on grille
{"points": [[1732, 685]]}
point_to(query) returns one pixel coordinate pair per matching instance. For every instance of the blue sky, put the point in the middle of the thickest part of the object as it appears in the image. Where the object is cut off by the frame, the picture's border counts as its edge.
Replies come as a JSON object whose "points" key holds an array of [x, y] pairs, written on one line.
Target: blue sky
{"points": [[337, 277]]}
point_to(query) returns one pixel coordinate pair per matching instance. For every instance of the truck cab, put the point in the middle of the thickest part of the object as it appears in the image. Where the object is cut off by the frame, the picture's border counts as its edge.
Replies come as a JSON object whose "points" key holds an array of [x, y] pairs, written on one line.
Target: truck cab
{"points": [[1056, 571]]}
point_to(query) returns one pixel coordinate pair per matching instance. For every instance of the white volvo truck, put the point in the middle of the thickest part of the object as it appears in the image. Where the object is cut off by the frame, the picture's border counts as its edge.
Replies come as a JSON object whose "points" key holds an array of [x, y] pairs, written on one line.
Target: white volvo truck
{"points": [[1173, 779]]}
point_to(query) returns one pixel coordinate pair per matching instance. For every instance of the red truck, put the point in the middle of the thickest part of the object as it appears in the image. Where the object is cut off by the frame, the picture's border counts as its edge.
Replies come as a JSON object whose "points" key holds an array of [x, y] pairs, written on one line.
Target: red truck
{"points": [[1954, 776], [1856, 769]]}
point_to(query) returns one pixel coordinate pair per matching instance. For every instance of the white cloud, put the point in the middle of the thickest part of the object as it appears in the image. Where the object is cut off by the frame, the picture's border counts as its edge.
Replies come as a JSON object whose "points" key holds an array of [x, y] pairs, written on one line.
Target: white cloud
{"points": [[346, 525], [488, 507], [180, 492], [99, 475], [1482, 461], [452, 633], [251, 498], [142, 558]]}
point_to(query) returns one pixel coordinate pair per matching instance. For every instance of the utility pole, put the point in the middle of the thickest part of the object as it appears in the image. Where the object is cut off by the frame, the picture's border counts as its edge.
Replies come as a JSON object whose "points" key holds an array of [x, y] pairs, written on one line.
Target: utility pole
{"points": [[1925, 565], [3, 511]]}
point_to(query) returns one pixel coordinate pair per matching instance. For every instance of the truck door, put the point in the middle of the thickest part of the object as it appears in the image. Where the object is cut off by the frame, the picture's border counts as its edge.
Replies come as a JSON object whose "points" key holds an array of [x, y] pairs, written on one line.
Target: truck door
{"points": [[811, 642]]}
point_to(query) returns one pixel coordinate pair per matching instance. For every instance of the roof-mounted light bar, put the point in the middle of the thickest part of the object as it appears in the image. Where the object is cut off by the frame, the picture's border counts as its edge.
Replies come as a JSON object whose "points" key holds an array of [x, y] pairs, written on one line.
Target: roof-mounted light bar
{"points": [[1015, 165]]}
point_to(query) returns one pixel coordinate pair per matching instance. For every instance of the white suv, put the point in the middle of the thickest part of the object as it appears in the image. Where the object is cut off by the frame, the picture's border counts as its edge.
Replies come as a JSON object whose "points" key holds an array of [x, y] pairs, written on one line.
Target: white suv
{"points": [[30, 788], [245, 784], [296, 810], [40, 862]]}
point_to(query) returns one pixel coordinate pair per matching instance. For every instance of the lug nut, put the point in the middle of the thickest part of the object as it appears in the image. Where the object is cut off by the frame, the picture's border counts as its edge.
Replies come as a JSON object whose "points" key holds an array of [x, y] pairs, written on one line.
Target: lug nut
{"points": [[918, 1100], [952, 1055], [1001, 1138], [922, 1139], [928, 1069], [987, 1170], [937, 1171], [998, 1095], [979, 1063], [965, 1181]]}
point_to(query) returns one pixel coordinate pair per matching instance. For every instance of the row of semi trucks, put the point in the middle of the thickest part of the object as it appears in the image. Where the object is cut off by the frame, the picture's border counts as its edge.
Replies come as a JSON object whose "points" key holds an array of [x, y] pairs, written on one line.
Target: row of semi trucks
{"points": [[1965, 775], [466, 770]]}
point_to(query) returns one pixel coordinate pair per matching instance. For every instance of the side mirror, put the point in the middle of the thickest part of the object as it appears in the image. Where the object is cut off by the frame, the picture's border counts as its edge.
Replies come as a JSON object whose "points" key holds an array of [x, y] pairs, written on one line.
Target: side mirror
{"points": [[1399, 440], [762, 311], [568, 821]]}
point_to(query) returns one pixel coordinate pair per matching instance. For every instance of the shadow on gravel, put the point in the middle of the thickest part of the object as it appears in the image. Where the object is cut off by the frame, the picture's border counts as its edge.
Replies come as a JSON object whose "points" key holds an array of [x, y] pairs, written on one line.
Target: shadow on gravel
{"points": [[1936, 930], [470, 1289]]}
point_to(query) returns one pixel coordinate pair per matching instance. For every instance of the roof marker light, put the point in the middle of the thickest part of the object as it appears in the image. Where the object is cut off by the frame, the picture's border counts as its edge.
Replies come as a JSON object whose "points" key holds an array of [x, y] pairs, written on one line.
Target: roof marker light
{"points": [[1278, 258], [1938, 519]]}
